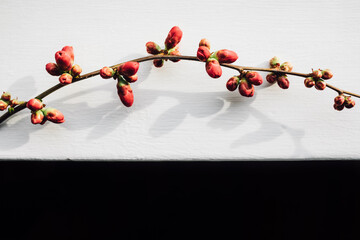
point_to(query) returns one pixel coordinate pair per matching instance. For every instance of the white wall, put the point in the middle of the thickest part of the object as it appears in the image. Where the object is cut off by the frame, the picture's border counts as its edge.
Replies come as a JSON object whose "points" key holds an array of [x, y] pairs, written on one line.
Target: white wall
{"points": [[180, 112]]}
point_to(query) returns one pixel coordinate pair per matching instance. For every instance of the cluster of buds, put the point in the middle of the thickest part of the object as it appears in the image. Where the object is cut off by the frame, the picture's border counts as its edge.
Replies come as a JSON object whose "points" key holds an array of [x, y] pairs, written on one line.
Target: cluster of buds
{"points": [[245, 81], [281, 78], [64, 66], [317, 78], [214, 59], [171, 46], [40, 114], [7, 103], [342, 101], [125, 74]]}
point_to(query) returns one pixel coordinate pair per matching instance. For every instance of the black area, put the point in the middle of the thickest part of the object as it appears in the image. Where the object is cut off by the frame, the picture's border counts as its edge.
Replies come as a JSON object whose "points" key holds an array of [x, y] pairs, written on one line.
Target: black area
{"points": [[180, 200]]}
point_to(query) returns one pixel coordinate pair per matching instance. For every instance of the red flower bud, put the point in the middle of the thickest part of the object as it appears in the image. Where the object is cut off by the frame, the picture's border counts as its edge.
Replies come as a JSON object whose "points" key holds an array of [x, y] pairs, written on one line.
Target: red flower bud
{"points": [[232, 83], [317, 74], [274, 62], [203, 53], [204, 42], [286, 66], [327, 74], [246, 89], [213, 68], [152, 48], [3, 105], [254, 78], [175, 53], [271, 77], [309, 82], [70, 51], [283, 82], [37, 117], [173, 38], [338, 107], [53, 69], [53, 115], [34, 104], [128, 68], [125, 93], [132, 78], [320, 85], [63, 60], [65, 78], [349, 103], [76, 70], [158, 62], [339, 100], [107, 72], [226, 56], [6, 96]]}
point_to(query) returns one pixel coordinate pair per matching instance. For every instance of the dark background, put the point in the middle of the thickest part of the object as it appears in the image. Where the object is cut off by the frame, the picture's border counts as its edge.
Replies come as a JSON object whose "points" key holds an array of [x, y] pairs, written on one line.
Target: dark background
{"points": [[180, 200]]}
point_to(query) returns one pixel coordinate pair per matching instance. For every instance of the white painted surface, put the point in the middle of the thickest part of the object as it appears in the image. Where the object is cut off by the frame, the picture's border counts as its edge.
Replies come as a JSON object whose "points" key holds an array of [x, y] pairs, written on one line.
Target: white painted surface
{"points": [[180, 112]]}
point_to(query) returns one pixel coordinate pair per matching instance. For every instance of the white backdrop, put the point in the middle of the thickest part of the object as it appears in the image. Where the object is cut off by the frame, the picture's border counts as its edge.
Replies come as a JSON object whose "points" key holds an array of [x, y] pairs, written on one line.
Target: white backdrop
{"points": [[179, 111]]}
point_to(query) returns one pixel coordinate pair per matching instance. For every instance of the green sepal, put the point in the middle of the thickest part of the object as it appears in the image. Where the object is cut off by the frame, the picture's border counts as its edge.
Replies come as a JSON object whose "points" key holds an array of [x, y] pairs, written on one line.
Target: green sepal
{"points": [[11, 110], [122, 81]]}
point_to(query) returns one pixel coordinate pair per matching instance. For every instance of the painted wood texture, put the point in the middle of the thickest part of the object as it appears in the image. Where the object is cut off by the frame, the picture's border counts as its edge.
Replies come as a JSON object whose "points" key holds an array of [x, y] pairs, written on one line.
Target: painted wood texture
{"points": [[179, 111]]}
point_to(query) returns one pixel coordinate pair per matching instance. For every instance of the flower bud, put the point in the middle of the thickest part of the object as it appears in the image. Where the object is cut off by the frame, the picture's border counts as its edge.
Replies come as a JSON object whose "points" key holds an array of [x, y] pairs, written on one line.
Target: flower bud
{"points": [[76, 70], [213, 68], [107, 72], [175, 52], [327, 74], [309, 82], [349, 103], [63, 60], [232, 83], [14, 102], [132, 78], [53, 115], [158, 62], [37, 117], [338, 107], [275, 62], [34, 104], [152, 48], [204, 42], [320, 85], [271, 77], [128, 68], [65, 78], [286, 66], [125, 93], [53, 69], [226, 56], [339, 100], [6, 96], [254, 78], [70, 51], [3, 105], [173, 38], [317, 74], [246, 89], [203, 53], [283, 82]]}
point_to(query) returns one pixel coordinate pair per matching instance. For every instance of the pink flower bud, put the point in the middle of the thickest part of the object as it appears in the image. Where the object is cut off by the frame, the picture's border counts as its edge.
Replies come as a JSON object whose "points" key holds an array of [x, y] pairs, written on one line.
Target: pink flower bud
{"points": [[175, 53], [339, 100], [125, 94], [63, 60], [204, 42], [65, 78], [226, 56], [6, 96], [34, 104], [158, 63], [232, 83], [107, 72], [309, 82], [128, 68], [70, 51], [317, 74], [213, 68], [271, 77], [76, 70], [53, 69], [246, 89], [203, 53], [275, 62], [338, 107], [3, 105], [152, 48], [53, 115], [132, 78], [254, 78], [349, 103], [327, 74], [173, 38], [283, 82], [37, 117], [320, 85], [286, 66]]}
